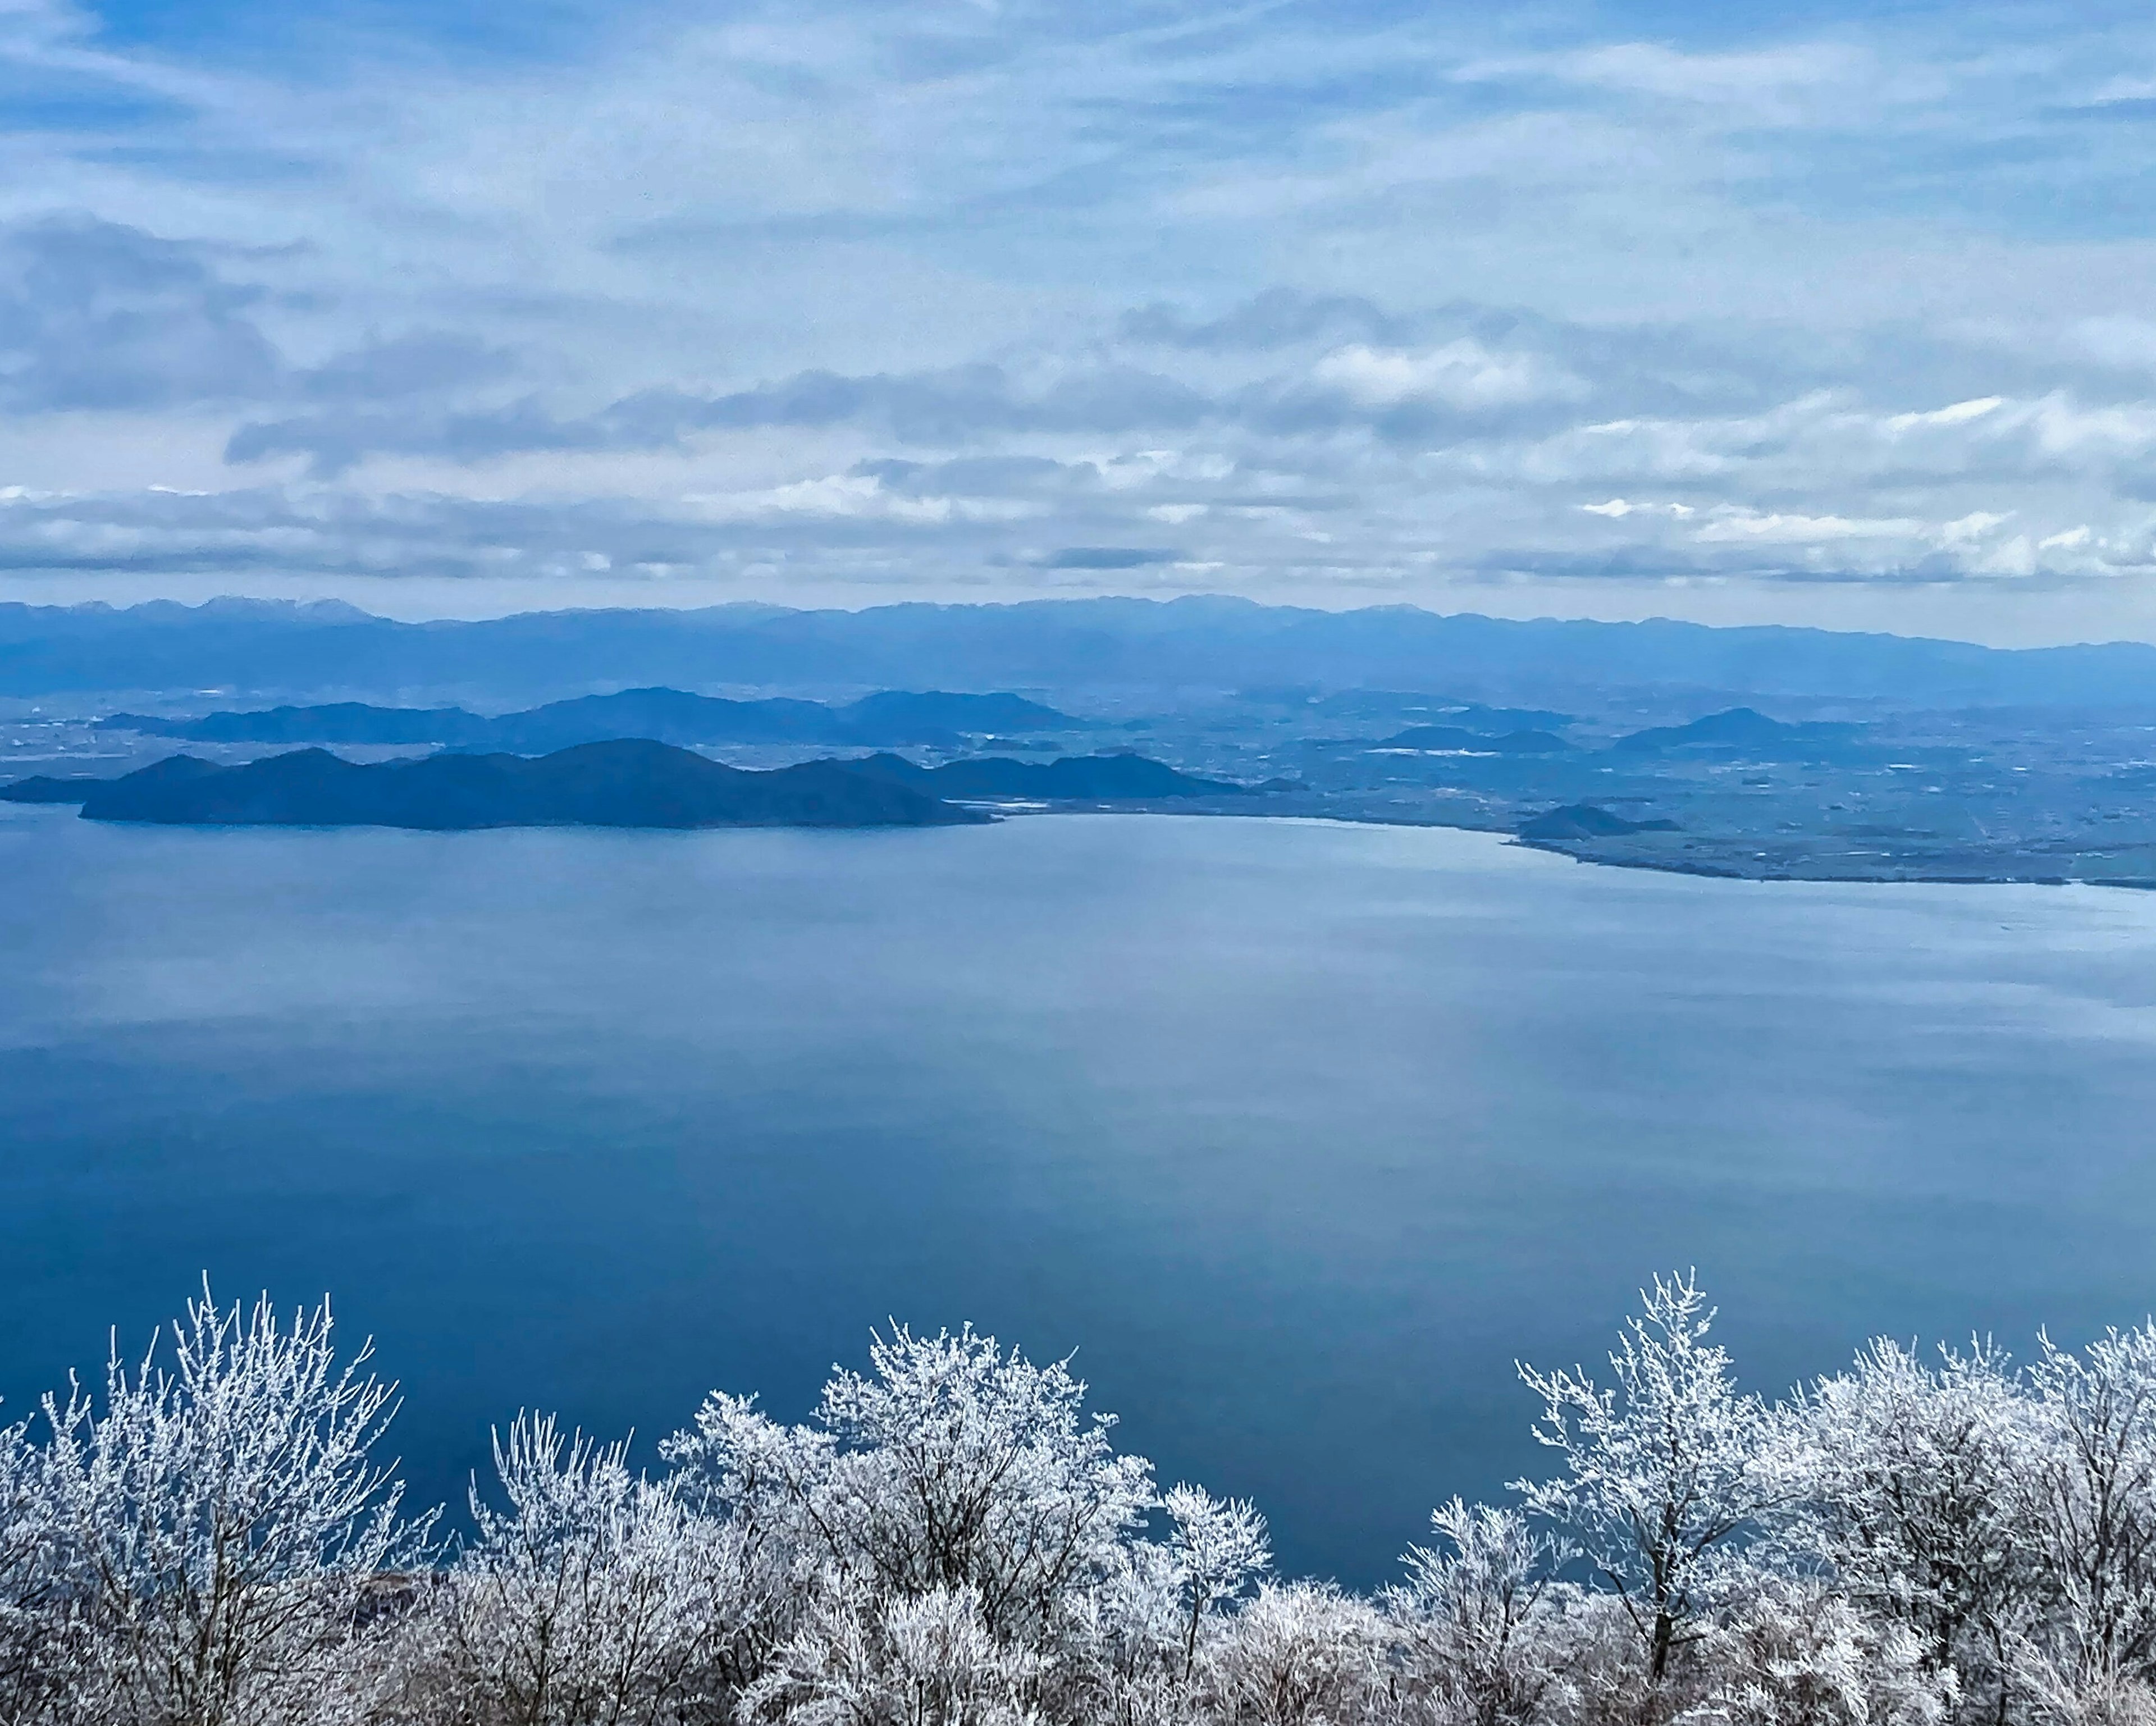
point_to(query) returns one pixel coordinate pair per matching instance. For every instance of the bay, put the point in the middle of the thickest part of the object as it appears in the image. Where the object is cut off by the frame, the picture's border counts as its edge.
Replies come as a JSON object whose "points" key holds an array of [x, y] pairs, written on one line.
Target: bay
{"points": [[1297, 1134]]}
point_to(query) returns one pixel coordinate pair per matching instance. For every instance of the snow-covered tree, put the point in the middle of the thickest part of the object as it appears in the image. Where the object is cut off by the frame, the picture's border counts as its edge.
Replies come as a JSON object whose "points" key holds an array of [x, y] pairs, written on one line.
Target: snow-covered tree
{"points": [[595, 1598], [950, 1466], [1218, 1548], [1301, 1654], [1905, 1480], [1471, 1622], [2090, 1495], [1662, 1472], [953, 1541], [217, 1523], [865, 1659], [1797, 1654], [39, 1627]]}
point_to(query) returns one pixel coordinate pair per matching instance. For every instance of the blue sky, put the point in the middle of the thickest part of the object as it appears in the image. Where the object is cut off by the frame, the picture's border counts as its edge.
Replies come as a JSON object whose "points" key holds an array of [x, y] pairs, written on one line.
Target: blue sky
{"points": [[1832, 314]]}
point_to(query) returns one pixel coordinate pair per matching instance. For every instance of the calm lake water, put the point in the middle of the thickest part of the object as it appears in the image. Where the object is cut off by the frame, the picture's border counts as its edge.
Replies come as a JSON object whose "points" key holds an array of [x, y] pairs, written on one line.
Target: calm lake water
{"points": [[1298, 1134]]}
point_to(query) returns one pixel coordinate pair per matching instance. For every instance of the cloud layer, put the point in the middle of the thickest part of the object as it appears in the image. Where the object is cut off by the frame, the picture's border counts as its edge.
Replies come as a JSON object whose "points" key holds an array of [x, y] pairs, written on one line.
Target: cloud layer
{"points": [[1580, 309]]}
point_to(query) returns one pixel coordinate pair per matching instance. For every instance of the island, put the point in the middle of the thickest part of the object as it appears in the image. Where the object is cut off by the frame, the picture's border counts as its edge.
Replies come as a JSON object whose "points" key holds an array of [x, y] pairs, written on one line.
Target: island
{"points": [[624, 782]]}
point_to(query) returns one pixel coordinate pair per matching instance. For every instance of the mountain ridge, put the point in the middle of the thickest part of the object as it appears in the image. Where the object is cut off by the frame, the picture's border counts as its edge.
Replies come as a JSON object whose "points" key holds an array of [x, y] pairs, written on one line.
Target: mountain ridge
{"points": [[1207, 641], [938, 717], [625, 783]]}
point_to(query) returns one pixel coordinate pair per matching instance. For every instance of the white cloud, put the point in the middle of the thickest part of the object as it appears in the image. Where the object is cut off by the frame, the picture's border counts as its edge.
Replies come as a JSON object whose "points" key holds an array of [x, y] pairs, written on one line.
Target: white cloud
{"points": [[1749, 78], [1957, 414], [1617, 508], [1734, 522], [1462, 373], [848, 295]]}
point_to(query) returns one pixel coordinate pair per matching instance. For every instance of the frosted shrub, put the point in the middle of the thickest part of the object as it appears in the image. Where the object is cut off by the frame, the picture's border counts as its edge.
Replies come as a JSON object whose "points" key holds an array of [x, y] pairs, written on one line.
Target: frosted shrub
{"points": [[1797, 1655], [1217, 1547], [926, 1660], [39, 1626], [951, 1467], [2089, 1493], [1301, 1654], [2051, 1698], [1662, 1472], [215, 1526], [1475, 1627], [1911, 1497], [952, 1541], [1125, 1653], [596, 1598]]}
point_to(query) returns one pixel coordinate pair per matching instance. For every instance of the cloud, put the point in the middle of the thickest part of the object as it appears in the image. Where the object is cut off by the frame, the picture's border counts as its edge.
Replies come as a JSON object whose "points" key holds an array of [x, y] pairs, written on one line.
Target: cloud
{"points": [[1461, 374], [1351, 300], [418, 363], [97, 315], [1276, 318], [1106, 557]]}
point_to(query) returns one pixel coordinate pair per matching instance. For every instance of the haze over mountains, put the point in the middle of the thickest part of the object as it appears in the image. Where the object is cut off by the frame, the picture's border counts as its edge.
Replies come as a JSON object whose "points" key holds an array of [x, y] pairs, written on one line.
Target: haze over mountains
{"points": [[1765, 753], [667, 716], [246, 646]]}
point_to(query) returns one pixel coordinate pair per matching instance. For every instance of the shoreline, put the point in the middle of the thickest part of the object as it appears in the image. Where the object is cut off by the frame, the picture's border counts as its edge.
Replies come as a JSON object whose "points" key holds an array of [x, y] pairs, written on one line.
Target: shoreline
{"points": [[1208, 810]]}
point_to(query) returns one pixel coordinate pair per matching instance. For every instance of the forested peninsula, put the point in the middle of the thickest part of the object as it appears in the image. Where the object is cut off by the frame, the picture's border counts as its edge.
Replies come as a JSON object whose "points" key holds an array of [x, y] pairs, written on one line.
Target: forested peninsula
{"points": [[624, 782]]}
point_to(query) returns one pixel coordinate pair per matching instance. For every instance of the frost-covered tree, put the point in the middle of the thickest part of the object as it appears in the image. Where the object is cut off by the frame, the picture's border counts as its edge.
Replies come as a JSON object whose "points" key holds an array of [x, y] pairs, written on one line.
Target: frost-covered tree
{"points": [[595, 1598], [1301, 1654], [1472, 1622], [39, 1627], [1796, 1654], [1906, 1486], [929, 1659], [1217, 1548], [2090, 1493], [949, 1466], [1662, 1472], [218, 1523], [952, 1541]]}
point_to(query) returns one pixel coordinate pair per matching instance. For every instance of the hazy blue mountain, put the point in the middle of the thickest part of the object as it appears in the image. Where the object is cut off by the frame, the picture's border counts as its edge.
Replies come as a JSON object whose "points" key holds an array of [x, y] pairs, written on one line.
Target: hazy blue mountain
{"points": [[666, 715], [155, 779], [1091, 778], [337, 722], [47, 788], [621, 784], [1209, 643], [1741, 731], [1585, 820]]}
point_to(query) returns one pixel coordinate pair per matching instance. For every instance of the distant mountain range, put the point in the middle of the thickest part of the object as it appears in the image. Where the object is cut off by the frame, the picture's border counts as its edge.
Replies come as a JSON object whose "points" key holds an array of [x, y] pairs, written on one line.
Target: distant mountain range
{"points": [[1217, 644], [666, 715], [621, 783]]}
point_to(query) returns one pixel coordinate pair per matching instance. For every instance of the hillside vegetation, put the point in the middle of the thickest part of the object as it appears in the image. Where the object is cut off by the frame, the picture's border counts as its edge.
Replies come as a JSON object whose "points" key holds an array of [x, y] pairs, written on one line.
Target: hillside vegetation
{"points": [[213, 1537]]}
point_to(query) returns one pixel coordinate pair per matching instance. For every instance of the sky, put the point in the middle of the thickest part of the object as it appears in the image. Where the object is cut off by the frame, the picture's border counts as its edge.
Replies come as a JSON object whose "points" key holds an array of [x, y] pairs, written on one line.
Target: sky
{"points": [[1841, 315]]}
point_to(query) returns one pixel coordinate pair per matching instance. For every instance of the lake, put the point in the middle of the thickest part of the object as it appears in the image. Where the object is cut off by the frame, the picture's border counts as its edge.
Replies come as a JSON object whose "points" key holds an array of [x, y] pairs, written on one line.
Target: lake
{"points": [[1297, 1134]]}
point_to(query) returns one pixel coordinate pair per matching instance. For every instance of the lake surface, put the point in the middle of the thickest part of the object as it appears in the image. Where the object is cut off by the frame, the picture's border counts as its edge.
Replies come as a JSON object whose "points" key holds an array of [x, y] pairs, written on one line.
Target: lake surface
{"points": [[1298, 1134]]}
